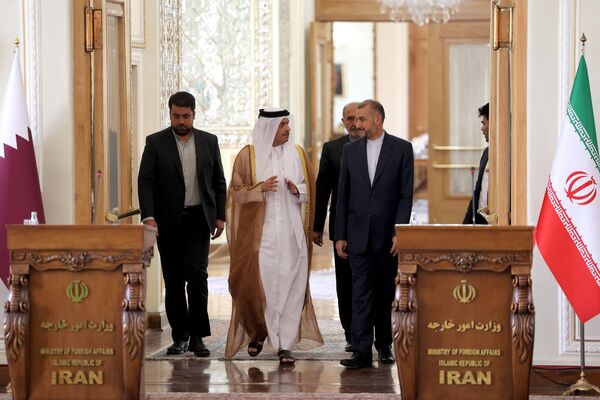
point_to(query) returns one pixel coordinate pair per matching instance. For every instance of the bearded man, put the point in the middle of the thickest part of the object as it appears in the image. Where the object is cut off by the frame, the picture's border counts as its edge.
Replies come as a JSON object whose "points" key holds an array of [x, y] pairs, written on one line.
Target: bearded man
{"points": [[269, 231], [181, 189]]}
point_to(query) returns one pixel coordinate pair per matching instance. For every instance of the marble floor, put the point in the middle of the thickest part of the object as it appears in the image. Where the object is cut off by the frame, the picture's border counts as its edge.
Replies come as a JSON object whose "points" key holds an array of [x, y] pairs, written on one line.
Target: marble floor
{"points": [[189, 377], [314, 378]]}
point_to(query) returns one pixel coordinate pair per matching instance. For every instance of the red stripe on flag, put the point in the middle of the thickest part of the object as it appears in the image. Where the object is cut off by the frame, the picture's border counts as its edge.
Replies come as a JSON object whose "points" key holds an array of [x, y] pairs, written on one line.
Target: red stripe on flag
{"points": [[567, 265]]}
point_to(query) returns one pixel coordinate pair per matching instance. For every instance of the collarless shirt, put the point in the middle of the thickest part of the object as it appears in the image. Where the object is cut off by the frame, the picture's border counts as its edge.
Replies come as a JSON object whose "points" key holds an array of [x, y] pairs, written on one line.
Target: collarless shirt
{"points": [[187, 155], [373, 150]]}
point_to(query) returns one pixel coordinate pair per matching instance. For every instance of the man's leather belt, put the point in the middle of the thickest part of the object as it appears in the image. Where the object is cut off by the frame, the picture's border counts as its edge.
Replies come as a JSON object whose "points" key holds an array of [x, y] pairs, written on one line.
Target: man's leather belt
{"points": [[190, 209]]}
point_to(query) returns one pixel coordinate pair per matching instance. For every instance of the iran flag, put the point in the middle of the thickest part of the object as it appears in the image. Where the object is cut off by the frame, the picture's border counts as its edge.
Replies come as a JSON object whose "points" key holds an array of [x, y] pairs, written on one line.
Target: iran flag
{"points": [[19, 185], [568, 229]]}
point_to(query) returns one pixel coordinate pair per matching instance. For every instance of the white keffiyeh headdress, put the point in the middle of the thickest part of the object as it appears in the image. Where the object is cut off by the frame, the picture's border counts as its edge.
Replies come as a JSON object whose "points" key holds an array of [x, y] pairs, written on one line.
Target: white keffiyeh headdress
{"points": [[262, 138]]}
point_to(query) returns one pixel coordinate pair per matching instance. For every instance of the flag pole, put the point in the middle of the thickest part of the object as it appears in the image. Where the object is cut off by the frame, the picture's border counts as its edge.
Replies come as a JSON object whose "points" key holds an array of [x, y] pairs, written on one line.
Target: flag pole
{"points": [[582, 385]]}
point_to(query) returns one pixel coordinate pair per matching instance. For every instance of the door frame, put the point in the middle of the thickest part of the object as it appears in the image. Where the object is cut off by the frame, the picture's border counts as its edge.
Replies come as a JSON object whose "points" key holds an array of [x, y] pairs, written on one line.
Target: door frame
{"points": [[508, 109], [512, 209], [89, 109], [321, 98]]}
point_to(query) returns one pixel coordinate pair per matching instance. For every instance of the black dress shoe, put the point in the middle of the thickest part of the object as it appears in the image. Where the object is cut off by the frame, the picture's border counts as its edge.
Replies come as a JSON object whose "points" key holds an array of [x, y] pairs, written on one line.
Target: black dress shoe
{"points": [[348, 347], [358, 360], [178, 347], [385, 355], [198, 347]]}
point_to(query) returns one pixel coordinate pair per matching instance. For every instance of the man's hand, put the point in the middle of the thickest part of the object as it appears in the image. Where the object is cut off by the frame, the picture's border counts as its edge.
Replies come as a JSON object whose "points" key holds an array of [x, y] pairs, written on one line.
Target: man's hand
{"points": [[318, 238], [340, 248], [270, 185], [219, 226], [152, 222], [394, 249], [292, 187]]}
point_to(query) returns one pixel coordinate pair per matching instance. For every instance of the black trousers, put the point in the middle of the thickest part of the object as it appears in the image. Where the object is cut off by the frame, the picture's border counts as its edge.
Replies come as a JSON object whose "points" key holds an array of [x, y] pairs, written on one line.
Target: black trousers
{"points": [[373, 275], [184, 259], [343, 287]]}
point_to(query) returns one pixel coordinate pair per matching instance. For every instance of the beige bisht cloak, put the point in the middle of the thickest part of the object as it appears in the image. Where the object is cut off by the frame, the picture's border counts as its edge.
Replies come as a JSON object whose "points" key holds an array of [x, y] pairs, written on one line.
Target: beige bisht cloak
{"points": [[245, 217]]}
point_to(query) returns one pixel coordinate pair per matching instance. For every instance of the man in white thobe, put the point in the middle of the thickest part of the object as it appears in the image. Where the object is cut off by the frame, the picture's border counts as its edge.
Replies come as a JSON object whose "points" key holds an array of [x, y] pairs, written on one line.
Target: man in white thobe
{"points": [[276, 174]]}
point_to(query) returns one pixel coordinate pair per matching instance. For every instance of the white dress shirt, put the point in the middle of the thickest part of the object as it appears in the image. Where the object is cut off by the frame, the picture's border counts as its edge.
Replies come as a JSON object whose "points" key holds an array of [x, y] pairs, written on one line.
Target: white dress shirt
{"points": [[373, 150]]}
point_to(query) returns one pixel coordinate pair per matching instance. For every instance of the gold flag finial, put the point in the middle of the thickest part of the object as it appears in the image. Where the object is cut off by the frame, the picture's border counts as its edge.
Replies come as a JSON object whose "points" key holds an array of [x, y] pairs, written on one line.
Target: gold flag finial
{"points": [[17, 42]]}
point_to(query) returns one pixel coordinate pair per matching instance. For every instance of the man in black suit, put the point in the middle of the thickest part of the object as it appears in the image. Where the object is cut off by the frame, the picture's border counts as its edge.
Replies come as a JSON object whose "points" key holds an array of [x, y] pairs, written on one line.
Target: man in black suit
{"points": [[375, 193], [182, 191], [479, 199], [327, 184]]}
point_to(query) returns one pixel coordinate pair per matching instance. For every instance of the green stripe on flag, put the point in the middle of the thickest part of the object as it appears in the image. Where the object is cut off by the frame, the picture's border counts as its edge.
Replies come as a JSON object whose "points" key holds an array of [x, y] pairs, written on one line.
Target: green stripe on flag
{"points": [[581, 112]]}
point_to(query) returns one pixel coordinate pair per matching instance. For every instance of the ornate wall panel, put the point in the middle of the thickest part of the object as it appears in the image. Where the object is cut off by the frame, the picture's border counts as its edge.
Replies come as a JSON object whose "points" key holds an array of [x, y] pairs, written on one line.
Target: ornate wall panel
{"points": [[170, 17], [284, 54], [224, 52], [216, 48], [30, 61]]}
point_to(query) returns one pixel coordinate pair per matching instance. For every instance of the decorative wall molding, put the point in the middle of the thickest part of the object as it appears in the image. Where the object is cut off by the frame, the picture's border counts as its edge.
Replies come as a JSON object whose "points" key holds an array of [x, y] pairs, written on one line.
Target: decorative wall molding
{"points": [[567, 53], [31, 61], [137, 114], [263, 55], [569, 331], [138, 23], [224, 53], [170, 70], [227, 63], [284, 54]]}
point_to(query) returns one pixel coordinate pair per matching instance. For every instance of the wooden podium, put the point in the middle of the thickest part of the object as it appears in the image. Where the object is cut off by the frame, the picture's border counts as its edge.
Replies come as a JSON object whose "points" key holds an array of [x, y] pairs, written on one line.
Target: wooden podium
{"points": [[74, 322], [463, 315]]}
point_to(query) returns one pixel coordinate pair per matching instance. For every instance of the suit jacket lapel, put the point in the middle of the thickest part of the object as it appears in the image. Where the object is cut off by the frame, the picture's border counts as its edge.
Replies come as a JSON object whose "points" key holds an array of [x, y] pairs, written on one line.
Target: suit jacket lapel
{"points": [[200, 151], [384, 156], [362, 159], [336, 156], [172, 148]]}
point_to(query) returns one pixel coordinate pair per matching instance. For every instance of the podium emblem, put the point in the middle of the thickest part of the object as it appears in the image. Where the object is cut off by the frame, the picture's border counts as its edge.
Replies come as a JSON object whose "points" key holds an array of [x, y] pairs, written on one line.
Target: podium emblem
{"points": [[77, 291], [464, 292]]}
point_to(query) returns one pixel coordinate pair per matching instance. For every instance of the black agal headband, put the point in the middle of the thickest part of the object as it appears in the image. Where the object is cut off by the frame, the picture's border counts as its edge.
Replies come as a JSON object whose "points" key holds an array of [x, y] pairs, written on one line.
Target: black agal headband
{"points": [[273, 114]]}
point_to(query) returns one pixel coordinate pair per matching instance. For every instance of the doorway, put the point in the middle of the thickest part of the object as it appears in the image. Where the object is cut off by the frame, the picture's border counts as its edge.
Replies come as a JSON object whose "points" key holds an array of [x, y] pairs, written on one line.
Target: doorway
{"points": [[506, 22], [431, 81], [103, 143]]}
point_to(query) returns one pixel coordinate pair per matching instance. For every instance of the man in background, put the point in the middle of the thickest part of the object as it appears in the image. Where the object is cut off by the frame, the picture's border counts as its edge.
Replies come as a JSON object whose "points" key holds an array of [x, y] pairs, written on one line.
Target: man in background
{"points": [[327, 185], [182, 191], [480, 193]]}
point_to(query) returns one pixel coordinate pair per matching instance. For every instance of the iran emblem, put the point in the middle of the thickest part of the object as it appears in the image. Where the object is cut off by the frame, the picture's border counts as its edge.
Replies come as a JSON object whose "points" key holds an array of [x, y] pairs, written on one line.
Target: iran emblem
{"points": [[580, 188]]}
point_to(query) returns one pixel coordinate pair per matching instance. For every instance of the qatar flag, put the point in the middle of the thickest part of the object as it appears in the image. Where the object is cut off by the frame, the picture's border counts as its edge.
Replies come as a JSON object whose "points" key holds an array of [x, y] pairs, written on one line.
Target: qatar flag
{"points": [[19, 184]]}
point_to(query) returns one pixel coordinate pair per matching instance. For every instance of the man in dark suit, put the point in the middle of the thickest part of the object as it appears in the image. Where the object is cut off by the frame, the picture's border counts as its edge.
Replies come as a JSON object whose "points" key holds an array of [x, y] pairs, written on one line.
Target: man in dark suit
{"points": [[375, 193], [327, 184], [182, 192], [479, 199]]}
